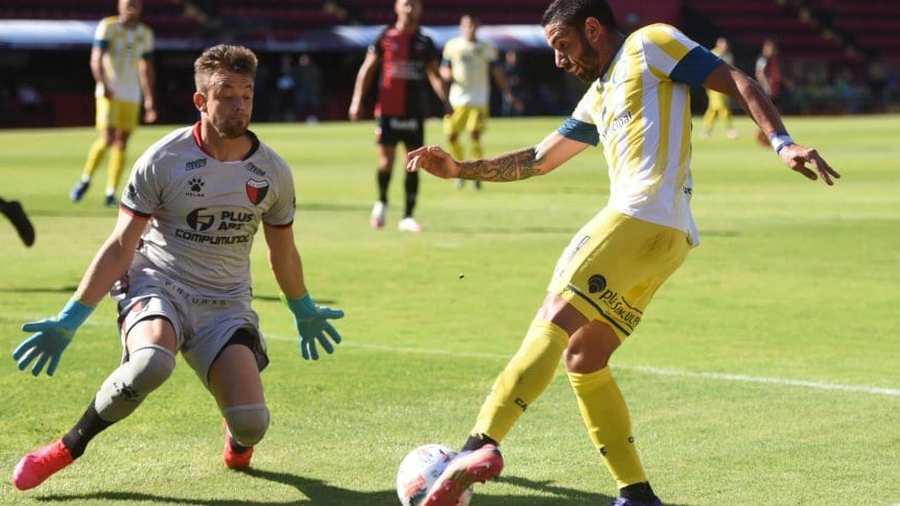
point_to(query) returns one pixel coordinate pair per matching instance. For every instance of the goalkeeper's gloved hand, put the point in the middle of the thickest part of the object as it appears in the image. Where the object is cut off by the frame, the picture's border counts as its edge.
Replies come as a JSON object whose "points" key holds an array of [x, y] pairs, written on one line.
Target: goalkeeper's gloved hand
{"points": [[312, 323], [50, 338]]}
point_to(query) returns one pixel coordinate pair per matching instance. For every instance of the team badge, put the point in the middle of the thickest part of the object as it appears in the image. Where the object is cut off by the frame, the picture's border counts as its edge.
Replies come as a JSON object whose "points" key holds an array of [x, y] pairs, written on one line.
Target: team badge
{"points": [[257, 190]]}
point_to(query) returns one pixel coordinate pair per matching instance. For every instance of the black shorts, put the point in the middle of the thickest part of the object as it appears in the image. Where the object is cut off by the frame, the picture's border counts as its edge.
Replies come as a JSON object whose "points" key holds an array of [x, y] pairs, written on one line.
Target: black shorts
{"points": [[394, 129]]}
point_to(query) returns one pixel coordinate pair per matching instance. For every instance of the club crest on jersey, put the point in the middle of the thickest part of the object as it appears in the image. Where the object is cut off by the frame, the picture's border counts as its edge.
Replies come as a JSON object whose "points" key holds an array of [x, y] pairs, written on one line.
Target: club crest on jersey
{"points": [[256, 190]]}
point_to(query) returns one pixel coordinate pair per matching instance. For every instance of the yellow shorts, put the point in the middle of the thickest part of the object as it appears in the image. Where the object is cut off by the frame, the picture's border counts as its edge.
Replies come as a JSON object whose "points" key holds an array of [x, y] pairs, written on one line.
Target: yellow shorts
{"points": [[717, 100], [614, 265], [470, 118], [117, 114]]}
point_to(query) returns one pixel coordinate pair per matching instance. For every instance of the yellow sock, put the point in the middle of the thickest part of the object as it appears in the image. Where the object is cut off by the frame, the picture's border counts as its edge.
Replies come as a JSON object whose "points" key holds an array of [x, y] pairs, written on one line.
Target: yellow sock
{"points": [[456, 149], [608, 423], [708, 119], [116, 163], [524, 379], [95, 155], [477, 150]]}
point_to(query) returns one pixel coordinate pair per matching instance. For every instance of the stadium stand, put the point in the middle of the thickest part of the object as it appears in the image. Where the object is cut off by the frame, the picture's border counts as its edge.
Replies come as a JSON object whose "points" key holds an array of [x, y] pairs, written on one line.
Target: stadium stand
{"points": [[840, 55]]}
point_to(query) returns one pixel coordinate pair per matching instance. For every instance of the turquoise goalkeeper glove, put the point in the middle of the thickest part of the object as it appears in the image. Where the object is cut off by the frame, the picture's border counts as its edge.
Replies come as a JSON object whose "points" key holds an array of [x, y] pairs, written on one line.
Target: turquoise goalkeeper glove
{"points": [[51, 338], [312, 323]]}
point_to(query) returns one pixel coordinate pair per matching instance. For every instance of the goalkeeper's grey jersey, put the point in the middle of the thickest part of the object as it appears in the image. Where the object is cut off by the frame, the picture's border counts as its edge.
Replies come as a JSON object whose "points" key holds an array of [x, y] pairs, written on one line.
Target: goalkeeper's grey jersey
{"points": [[204, 213]]}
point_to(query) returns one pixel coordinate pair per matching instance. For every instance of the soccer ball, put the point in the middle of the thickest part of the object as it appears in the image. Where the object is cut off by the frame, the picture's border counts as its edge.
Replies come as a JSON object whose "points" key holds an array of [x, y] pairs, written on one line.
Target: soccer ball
{"points": [[420, 469]]}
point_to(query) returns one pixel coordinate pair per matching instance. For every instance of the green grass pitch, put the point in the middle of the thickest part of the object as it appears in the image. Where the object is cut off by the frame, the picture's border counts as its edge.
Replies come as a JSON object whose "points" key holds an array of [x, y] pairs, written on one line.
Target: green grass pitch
{"points": [[767, 370]]}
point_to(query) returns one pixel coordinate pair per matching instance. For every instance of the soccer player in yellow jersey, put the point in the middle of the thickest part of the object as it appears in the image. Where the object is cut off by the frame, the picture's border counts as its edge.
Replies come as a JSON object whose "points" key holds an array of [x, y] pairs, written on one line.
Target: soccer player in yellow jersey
{"points": [[465, 66], [121, 65], [719, 103], [638, 108]]}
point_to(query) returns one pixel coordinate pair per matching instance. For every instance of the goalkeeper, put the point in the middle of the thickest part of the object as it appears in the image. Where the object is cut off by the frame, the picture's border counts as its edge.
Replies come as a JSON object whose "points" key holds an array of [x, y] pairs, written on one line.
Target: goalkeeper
{"points": [[182, 278]]}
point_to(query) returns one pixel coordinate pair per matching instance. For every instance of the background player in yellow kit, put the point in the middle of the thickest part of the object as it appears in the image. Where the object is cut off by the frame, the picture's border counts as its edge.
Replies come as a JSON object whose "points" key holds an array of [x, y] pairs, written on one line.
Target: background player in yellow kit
{"points": [[719, 103], [121, 65], [466, 64], [638, 108]]}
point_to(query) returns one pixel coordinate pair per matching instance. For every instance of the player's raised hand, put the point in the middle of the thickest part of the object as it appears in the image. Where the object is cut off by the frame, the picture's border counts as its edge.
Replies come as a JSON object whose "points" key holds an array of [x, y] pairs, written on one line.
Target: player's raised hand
{"points": [[50, 339], [313, 326], [797, 157], [434, 160]]}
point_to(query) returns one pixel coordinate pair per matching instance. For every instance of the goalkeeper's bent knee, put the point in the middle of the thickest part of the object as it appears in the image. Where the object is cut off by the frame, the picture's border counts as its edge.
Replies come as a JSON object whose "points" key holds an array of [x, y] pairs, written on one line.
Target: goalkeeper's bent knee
{"points": [[524, 379], [124, 390], [247, 423]]}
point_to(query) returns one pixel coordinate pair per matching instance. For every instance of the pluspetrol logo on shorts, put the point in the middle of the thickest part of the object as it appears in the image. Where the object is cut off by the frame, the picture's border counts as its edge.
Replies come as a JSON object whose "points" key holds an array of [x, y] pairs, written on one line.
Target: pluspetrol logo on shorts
{"points": [[596, 283]]}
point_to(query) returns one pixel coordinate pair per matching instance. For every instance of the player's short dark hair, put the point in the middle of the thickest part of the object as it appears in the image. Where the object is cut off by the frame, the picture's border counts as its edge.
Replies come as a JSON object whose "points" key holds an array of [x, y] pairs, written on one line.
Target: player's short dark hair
{"points": [[575, 12], [237, 59]]}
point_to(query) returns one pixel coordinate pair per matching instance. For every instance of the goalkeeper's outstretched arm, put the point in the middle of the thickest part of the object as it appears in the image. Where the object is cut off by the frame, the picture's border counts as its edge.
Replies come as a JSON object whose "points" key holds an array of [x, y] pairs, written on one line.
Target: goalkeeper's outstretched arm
{"points": [[112, 260]]}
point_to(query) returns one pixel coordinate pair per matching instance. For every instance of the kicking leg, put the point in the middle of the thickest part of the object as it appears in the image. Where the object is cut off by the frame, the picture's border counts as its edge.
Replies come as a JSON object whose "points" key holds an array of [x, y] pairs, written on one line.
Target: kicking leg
{"points": [[522, 381], [235, 382], [150, 345]]}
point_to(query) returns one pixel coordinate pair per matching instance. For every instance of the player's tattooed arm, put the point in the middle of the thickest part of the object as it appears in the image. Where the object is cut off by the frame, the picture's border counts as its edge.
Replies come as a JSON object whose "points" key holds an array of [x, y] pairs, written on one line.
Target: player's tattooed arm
{"points": [[538, 160], [514, 166]]}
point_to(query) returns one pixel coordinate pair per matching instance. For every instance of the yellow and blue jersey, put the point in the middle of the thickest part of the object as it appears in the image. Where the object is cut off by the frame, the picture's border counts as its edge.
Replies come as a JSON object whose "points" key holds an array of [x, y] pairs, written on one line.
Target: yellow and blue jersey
{"points": [[640, 111], [470, 63], [125, 47]]}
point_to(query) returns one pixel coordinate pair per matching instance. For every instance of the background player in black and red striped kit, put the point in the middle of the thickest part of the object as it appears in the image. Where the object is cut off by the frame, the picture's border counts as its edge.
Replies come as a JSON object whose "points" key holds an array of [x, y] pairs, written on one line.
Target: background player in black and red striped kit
{"points": [[407, 58]]}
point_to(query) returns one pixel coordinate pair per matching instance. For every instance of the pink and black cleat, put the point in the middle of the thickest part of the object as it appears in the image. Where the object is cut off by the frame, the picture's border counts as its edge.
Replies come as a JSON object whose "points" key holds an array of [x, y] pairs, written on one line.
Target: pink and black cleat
{"points": [[234, 458], [480, 466], [40, 464]]}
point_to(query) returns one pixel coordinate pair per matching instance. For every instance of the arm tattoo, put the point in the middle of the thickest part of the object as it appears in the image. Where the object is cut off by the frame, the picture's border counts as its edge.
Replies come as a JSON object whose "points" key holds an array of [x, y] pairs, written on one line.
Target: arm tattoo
{"points": [[510, 167]]}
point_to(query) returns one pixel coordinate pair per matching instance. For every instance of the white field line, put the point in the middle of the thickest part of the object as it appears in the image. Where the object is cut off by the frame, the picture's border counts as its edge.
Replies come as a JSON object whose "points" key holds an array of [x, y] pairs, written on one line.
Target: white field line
{"points": [[656, 371]]}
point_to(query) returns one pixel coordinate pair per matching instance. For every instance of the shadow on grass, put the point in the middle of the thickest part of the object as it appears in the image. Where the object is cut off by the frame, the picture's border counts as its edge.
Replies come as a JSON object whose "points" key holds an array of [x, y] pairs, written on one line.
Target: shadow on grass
{"points": [[469, 230], [276, 298], [70, 289], [319, 492], [61, 289]]}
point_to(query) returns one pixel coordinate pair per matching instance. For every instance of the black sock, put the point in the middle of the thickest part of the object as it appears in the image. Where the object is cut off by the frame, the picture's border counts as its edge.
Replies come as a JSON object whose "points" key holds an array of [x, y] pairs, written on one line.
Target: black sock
{"points": [[237, 448], [638, 492], [476, 441], [412, 192], [77, 439], [384, 179]]}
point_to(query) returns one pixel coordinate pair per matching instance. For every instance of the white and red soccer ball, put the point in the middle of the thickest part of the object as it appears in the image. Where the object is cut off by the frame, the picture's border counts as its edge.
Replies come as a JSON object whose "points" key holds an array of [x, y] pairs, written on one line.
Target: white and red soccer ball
{"points": [[420, 469]]}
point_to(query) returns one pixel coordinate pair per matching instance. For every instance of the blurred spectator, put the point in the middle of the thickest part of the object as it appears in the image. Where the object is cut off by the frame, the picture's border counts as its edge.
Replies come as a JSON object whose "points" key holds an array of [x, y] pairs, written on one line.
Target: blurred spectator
{"points": [[30, 99], [768, 73], [877, 81], [515, 78], [285, 86], [308, 89], [203, 12], [213, 25], [768, 70], [847, 92], [343, 14]]}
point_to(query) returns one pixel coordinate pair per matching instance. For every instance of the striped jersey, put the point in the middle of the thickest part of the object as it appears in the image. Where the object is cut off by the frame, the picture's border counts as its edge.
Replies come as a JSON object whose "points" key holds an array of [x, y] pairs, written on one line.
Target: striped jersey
{"points": [[124, 48], [470, 63], [640, 111], [404, 59], [204, 213]]}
